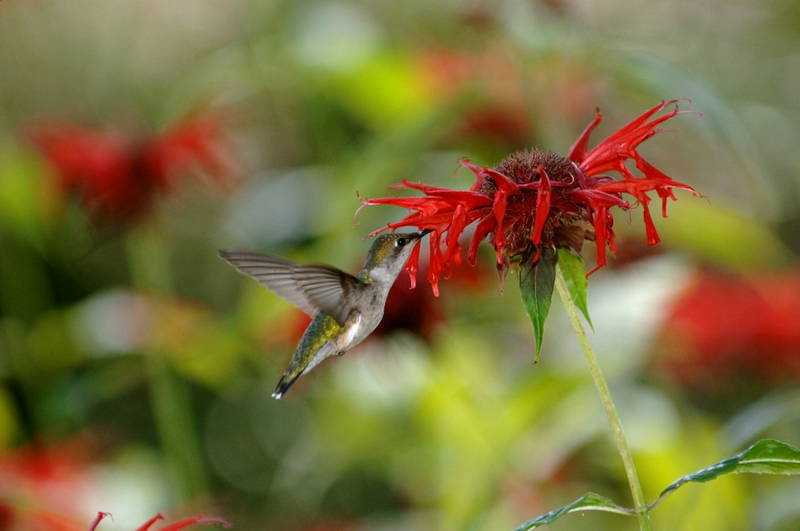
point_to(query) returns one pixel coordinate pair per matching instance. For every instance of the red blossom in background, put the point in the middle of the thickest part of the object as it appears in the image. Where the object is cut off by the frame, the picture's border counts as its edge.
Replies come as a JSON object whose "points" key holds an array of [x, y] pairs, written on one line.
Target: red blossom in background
{"points": [[538, 199], [172, 527], [118, 177], [729, 331], [42, 488]]}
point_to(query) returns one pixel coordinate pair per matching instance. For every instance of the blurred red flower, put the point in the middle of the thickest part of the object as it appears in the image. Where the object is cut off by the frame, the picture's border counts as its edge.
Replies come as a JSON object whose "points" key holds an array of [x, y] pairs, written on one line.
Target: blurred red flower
{"points": [[118, 177], [46, 488], [172, 527], [42, 488], [728, 329], [537, 199]]}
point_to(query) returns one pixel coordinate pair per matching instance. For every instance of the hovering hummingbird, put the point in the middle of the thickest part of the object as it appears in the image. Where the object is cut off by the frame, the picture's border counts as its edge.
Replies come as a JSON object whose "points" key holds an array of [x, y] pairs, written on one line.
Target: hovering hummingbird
{"points": [[344, 308]]}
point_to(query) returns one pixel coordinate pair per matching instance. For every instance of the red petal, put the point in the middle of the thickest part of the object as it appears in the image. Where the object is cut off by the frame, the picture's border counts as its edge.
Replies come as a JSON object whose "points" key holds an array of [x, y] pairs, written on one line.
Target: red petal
{"points": [[200, 519], [454, 231], [650, 228], [611, 153], [542, 209], [147, 525], [478, 171], [412, 266], [484, 227], [436, 265], [597, 199], [577, 153], [97, 519], [601, 235], [505, 188]]}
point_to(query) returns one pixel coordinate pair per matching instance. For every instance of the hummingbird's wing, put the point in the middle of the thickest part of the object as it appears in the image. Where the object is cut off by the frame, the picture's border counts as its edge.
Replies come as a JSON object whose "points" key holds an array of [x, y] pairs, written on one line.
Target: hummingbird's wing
{"points": [[310, 287]]}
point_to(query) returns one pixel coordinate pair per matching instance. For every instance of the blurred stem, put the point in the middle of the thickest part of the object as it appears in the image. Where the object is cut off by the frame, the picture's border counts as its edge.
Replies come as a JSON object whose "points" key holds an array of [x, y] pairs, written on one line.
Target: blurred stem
{"points": [[148, 260], [640, 507], [150, 273], [171, 408]]}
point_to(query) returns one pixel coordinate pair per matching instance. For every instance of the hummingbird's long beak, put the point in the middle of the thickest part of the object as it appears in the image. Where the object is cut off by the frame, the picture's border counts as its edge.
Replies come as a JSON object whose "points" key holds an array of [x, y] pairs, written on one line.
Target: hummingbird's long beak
{"points": [[424, 232]]}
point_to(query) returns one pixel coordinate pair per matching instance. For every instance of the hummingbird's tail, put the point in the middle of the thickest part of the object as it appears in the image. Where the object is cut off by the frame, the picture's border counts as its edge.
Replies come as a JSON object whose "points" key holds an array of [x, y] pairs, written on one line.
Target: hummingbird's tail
{"points": [[286, 382]]}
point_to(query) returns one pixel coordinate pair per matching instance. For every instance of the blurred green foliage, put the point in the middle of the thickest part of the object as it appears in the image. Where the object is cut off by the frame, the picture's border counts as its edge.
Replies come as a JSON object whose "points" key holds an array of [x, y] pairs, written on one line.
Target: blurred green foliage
{"points": [[136, 367]]}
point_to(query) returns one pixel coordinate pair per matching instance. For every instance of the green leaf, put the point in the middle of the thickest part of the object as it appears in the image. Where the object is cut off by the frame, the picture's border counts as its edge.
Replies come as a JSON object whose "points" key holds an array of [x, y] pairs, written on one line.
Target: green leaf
{"points": [[764, 457], [589, 502], [575, 276], [536, 283]]}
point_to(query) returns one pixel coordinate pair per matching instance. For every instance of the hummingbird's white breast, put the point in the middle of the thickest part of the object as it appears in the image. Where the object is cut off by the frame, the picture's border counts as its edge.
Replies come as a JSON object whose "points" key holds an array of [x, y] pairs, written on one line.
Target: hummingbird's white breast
{"points": [[353, 332]]}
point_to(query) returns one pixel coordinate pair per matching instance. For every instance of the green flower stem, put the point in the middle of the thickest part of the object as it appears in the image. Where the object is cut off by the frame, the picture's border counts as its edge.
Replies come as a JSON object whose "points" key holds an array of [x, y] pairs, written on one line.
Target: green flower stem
{"points": [[640, 507], [171, 402]]}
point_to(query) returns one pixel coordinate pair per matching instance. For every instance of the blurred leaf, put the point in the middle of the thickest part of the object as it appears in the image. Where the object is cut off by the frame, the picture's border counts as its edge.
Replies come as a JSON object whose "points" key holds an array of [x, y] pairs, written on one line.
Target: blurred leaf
{"points": [[717, 233], [589, 502], [778, 407], [388, 90], [575, 276], [51, 348], [536, 283], [9, 421], [25, 289], [27, 204], [764, 457]]}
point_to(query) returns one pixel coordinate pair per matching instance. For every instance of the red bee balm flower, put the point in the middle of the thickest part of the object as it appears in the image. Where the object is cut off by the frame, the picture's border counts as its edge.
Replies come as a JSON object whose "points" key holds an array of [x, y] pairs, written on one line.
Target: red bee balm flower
{"points": [[119, 176], [535, 202]]}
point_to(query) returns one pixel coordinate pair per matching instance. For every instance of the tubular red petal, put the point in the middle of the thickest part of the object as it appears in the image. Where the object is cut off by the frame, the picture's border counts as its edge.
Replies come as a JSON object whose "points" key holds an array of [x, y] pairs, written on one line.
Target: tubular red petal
{"points": [[505, 188], [500, 240], [478, 171], [640, 186], [147, 525], [436, 264], [639, 127], [484, 227], [412, 266], [97, 519], [456, 227], [621, 145], [503, 182], [597, 199], [577, 153], [462, 197], [377, 231], [542, 208], [601, 236], [650, 228], [649, 171], [199, 519]]}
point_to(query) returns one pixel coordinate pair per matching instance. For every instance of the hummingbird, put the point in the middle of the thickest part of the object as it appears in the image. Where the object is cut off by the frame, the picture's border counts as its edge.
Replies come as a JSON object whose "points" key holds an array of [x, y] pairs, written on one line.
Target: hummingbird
{"points": [[345, 309]]}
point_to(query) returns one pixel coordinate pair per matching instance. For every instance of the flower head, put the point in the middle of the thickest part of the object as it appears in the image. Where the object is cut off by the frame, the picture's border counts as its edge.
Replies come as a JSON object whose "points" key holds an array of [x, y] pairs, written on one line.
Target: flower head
{"points": [[538, 199]]}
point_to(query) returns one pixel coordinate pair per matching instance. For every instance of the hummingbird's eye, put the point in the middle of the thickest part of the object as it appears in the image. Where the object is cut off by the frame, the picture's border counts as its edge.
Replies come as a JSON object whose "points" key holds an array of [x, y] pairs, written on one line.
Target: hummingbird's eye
{"points": [[399, 242]]}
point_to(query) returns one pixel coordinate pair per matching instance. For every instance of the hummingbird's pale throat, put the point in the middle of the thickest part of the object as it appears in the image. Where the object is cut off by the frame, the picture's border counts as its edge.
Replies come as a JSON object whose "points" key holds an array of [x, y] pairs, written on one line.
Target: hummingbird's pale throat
{"points": [[344, 308]]}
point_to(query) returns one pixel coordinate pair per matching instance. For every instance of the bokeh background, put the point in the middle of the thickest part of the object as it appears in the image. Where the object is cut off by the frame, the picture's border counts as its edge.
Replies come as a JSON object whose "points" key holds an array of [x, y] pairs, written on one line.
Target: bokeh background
{"points": [[138, 137]]}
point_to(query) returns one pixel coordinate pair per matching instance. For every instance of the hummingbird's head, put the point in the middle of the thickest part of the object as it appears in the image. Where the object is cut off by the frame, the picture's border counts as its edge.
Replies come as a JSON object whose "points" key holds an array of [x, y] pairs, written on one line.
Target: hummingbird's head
{"points": [[389, 254]]}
